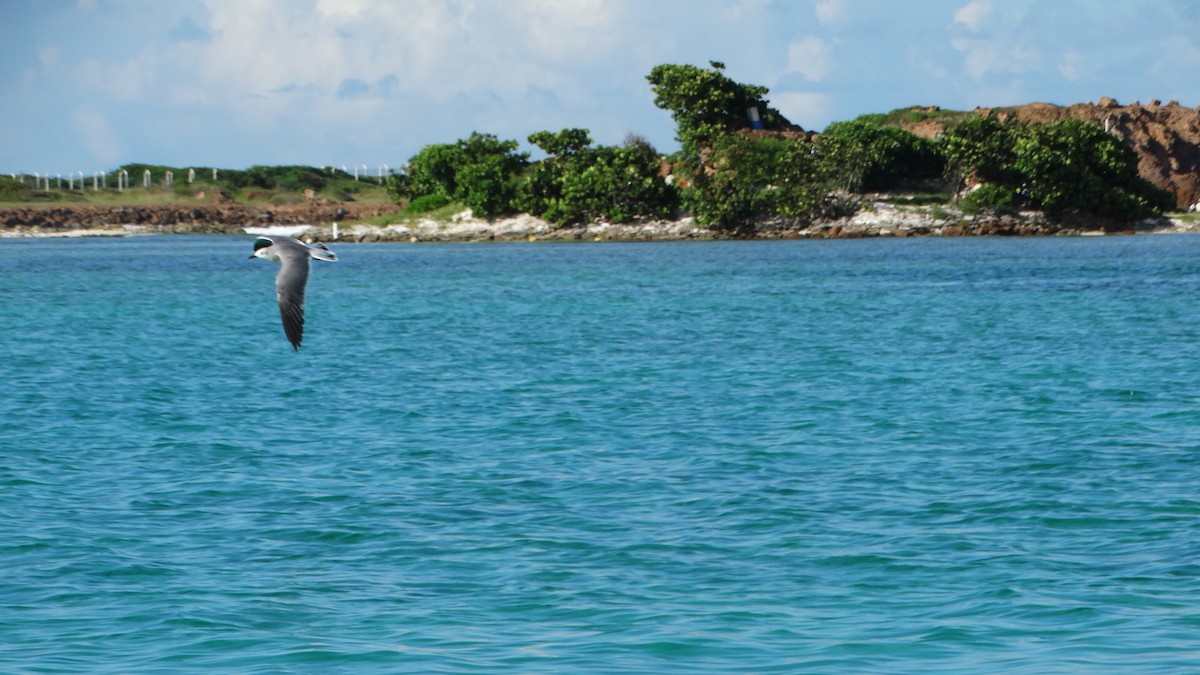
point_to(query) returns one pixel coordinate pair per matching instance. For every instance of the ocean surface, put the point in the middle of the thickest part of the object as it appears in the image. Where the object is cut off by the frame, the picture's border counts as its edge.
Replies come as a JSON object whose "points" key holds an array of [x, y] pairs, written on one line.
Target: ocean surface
{"points": [[900, 455]]}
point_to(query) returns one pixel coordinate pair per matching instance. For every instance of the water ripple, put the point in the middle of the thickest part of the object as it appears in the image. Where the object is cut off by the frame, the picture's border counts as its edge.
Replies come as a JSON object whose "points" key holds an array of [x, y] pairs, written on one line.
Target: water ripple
{"points": [[952, 456]]}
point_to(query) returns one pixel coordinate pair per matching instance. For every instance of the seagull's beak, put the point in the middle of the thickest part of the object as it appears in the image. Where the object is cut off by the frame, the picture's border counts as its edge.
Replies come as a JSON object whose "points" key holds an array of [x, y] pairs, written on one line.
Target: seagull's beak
{"points": [[253, 256]]}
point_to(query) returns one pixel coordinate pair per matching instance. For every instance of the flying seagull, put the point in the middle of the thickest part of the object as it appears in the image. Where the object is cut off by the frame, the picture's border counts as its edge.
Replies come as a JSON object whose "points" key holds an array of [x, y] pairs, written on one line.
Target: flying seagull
{"points": [[292, 256]]}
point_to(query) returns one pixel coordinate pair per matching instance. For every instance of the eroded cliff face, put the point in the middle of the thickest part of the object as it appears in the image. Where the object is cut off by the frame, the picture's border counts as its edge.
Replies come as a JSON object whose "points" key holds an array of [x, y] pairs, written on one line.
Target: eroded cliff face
{"points": [[1166, 137], [199, 218]]}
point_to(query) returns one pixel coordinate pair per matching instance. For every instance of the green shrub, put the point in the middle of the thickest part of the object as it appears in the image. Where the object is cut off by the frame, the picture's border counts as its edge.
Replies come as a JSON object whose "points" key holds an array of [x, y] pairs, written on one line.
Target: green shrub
{"points": [[287, 199], [991, 197], [864, 154], [11, 190], [579, 183], [479, 171], [1073, 166], [426, 203], [749, 178], [1068, 166]]}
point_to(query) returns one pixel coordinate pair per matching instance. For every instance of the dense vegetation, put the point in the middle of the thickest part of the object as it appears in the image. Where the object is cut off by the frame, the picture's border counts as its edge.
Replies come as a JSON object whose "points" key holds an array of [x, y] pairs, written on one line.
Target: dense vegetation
{"points": [[578, 182], [740, 163], [575, 183], [731, 172], [1068, 166]]}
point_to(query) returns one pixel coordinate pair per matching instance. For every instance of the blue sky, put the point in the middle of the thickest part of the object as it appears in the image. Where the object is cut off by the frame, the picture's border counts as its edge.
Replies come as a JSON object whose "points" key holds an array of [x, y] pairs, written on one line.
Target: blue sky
{"points": [[92, 84]]}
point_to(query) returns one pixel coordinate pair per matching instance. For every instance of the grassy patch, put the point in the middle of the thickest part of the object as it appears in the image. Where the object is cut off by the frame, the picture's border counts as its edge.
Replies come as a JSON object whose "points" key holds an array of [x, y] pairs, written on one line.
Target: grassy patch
{"points": [[918, 114], [130, 197]]}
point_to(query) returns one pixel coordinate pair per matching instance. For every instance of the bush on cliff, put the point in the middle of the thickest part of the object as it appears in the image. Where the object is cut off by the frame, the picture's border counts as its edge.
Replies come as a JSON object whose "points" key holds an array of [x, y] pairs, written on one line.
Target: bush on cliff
{"points": [[864, 154], [1065, 167], [981, 149], [1072, 166]]}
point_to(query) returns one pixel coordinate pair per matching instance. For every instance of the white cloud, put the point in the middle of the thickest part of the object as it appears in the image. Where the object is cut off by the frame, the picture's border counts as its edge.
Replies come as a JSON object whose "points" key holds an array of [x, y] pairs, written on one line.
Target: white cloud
{"points": [[811, 57], [48, 56], [829, 11], [992, 56], [809, 110], [121, 81], [97, 135], [1072, 66], [973, 14], [441, 50], [561, 29], [982, 59], [344, 8]]}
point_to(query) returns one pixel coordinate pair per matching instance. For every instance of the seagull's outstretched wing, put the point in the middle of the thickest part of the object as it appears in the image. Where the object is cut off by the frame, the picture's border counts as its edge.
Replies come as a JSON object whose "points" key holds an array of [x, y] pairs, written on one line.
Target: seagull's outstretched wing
{"points": [[289, 286]]}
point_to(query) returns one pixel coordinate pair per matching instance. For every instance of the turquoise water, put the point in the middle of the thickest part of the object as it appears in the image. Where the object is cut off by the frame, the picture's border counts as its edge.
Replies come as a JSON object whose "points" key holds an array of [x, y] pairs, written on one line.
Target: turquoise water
{"points": [[939, 455]]}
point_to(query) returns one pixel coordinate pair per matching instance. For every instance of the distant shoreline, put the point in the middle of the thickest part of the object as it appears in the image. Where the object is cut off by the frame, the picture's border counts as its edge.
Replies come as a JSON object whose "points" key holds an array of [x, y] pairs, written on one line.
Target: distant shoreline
{"points": [[875, 219]]}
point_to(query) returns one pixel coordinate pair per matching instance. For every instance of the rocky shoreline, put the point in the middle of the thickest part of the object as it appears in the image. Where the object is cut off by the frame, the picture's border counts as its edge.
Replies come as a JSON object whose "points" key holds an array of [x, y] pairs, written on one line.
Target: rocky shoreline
{"points": [[875, 218]]}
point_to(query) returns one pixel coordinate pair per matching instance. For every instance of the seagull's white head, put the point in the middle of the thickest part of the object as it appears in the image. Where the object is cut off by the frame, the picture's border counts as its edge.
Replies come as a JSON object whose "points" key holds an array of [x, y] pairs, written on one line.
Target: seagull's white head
{"points": [[264, 248]]}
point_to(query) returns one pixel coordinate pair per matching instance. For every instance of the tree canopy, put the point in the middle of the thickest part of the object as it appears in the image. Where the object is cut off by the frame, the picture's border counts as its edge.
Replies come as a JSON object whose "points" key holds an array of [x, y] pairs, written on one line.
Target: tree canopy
{"points": [[706, 104]]}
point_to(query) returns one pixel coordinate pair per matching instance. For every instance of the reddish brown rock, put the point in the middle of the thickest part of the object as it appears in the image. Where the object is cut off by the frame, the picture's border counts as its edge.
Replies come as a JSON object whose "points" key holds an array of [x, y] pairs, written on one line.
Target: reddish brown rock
{"points": [[226, 217]]}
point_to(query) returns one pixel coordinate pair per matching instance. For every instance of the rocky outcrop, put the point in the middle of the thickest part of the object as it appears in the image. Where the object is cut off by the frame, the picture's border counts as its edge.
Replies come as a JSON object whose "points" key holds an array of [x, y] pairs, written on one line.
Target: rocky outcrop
{"points": [[878, 217], [464, 228], [1166, 137], [875, 218], [177, 218]]}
